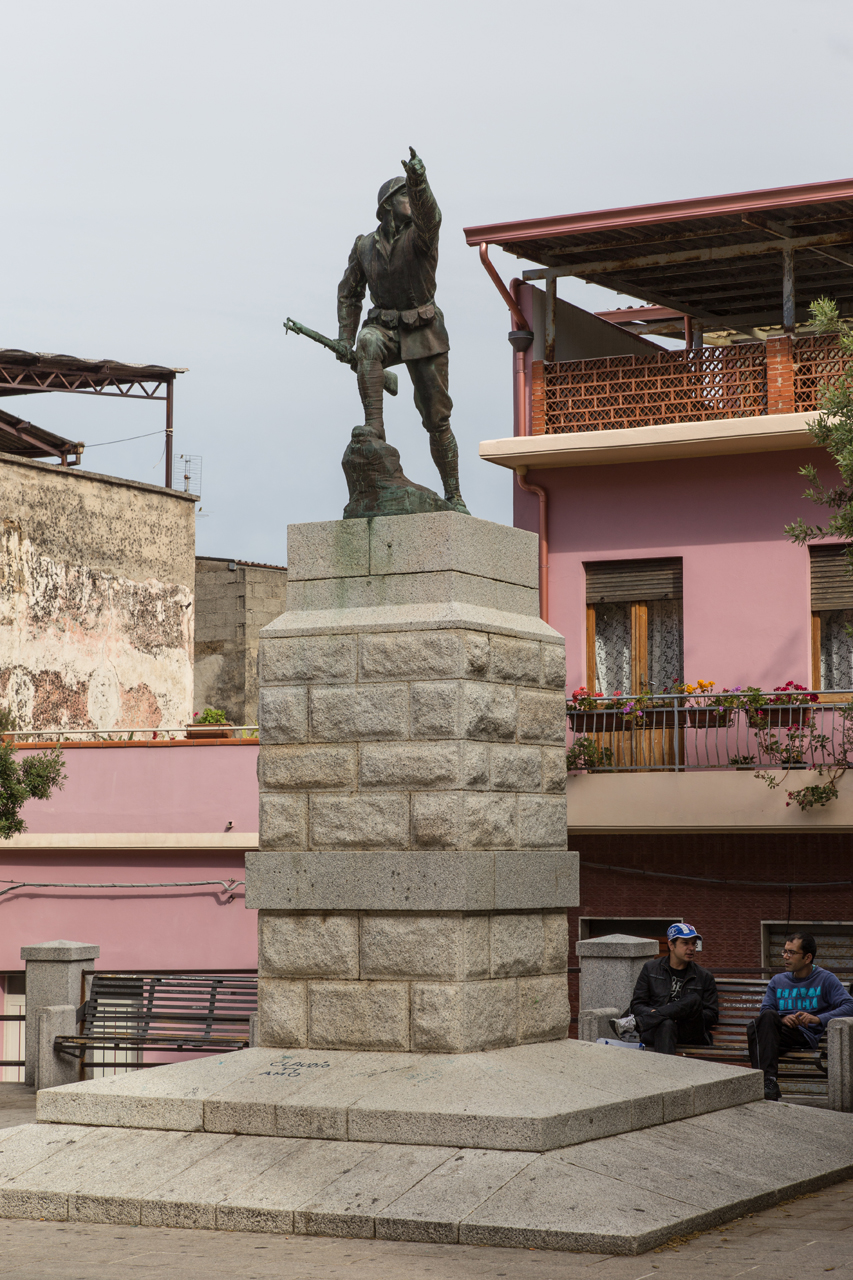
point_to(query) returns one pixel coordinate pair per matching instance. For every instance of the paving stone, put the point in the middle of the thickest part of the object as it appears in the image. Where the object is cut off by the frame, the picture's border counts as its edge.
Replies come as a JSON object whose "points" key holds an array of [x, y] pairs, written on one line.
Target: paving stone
{"points": [[432, 1210], [554, 1205], [348, 1206], [189, 1198], [27, 1145], [159, 1098], [308, 1166]]}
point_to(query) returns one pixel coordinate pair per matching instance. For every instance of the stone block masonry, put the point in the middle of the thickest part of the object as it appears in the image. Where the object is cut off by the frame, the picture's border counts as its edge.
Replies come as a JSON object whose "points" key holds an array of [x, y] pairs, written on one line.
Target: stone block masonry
{"points": [[443, 982], [412, 875]]}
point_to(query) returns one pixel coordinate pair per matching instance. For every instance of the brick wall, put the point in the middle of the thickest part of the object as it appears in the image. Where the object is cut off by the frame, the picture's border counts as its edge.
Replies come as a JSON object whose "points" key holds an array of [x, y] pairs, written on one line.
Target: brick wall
{"points": [[728, 916]]}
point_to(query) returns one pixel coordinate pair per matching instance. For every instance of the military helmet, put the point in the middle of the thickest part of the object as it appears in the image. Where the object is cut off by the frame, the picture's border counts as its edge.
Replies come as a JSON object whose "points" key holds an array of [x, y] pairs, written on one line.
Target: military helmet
{"points": [[387, 189]]}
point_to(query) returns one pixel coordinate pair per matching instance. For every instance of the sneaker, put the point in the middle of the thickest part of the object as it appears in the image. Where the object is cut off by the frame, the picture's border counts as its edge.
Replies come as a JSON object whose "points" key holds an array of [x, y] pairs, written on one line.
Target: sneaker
{"points": [[772, 1092], [623, 1027]]}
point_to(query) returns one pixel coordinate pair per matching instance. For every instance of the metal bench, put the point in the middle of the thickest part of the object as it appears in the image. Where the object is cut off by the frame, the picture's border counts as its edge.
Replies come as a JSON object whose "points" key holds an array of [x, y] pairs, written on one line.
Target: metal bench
{"points": [[740, 1001], [181, 1012]]}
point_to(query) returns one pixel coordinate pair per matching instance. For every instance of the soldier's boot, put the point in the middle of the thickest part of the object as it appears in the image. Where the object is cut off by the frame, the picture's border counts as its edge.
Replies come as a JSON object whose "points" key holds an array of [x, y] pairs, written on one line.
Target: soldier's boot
{"points": [[445, 455], [371, 378]]}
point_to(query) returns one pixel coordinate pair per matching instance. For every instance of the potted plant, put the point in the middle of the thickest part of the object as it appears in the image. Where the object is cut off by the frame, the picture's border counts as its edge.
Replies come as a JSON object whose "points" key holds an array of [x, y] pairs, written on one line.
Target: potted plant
{"points": [[787, 706], [586, 754], [709, 711], [593, 712], [210, 723]]}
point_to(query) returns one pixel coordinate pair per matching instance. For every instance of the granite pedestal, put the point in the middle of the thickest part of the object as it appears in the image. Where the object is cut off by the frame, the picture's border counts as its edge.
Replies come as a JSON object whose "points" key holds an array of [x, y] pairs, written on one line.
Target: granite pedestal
{"points": [[413, 876]]}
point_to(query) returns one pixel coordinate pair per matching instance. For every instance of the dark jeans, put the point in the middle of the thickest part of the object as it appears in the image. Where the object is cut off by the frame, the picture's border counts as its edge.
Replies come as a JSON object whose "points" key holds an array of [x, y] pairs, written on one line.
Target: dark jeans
{"points": [[768, 1038], [677, 1023]]}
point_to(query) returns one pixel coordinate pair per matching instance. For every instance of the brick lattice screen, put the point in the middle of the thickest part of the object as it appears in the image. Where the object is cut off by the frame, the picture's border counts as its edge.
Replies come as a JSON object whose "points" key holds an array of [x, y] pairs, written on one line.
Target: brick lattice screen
{"points": [[817, 359]]}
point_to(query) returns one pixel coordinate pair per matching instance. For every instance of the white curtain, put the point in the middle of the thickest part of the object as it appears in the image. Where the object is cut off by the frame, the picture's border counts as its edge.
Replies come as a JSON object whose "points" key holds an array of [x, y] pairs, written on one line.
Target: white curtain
{"points": [[666, 644], [613, 648], [836, 649]]}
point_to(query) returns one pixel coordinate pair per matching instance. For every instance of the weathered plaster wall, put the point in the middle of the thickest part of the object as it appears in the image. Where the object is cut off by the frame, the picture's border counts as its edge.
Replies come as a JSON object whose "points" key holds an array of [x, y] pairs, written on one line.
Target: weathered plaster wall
{"points": [[96, 599], [231, 606]]}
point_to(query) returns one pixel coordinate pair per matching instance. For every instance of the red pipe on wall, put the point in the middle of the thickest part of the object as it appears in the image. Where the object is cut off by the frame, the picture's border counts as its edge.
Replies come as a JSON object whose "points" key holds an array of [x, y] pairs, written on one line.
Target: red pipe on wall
{"points": [[542, 495], [521, 339]]}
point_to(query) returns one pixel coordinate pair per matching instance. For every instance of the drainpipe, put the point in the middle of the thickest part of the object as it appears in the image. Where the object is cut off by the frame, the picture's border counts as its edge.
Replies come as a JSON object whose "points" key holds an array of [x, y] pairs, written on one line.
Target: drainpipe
{"points": [[520, 473], [521, 338]]}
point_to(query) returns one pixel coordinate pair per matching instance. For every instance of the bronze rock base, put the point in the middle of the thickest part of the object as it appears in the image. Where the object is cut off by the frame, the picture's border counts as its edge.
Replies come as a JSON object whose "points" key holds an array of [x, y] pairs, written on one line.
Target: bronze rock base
{"points": [[377, 485]]}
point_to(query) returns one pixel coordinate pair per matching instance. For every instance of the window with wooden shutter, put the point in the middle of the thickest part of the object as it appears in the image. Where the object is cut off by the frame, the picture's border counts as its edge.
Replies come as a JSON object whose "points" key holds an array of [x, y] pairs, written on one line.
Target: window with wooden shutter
{"points": [[635, 632], [832, 617]]}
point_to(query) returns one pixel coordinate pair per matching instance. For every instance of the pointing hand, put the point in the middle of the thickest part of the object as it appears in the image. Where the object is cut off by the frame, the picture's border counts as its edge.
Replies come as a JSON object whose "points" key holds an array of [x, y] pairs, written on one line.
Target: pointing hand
{"points": [[414, 166]]}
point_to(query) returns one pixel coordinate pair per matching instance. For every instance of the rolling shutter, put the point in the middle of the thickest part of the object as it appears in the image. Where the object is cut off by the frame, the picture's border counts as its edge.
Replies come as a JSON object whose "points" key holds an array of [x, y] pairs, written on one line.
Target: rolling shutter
{"points": [[613, 580], [832, 579]]}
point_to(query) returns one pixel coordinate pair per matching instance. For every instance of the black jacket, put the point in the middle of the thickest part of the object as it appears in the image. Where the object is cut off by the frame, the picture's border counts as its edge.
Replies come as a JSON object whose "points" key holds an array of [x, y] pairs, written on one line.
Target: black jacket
{"points": [[652, 990]]}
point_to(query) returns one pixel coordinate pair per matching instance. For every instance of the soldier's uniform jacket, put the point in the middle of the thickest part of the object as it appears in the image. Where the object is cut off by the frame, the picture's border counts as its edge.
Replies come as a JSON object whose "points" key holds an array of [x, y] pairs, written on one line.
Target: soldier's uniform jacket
{"points": [[401, 278]]}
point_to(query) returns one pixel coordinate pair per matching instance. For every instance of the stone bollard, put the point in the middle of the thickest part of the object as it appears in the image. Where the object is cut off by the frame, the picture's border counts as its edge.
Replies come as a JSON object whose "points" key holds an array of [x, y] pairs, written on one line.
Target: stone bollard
{"points": [[610, 967], [840, 1064], [55, 1068], [593, 1024], [54, 977]]}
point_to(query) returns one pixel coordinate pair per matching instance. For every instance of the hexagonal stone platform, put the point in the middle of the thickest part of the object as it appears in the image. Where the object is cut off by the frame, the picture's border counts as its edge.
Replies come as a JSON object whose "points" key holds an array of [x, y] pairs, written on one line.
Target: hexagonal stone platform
{"points": [[621, 1194], [527, 1098]]}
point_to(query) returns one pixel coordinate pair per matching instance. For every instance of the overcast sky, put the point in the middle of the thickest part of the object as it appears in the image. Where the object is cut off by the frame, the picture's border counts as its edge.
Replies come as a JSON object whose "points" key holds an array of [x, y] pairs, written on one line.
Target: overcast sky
{"points": [[179, 177]]}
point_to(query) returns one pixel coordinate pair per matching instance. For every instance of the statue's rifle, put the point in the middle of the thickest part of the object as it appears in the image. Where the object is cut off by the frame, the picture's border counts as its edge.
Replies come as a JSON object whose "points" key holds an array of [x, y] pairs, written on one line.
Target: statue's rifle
{"points": [[293, 326]]}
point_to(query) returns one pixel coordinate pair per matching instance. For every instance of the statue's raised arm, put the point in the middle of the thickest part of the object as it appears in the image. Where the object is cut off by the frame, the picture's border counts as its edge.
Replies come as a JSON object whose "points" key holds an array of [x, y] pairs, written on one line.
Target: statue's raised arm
{"points": [[426, 215]]}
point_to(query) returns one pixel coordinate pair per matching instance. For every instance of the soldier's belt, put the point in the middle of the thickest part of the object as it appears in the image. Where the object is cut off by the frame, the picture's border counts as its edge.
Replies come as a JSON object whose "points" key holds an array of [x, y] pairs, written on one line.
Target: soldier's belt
{"points": [[407, 319]]}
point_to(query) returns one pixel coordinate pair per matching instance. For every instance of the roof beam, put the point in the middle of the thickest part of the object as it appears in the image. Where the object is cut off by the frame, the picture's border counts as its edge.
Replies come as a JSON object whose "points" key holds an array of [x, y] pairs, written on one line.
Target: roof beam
{"points": [[720, 253], [779, 229]]}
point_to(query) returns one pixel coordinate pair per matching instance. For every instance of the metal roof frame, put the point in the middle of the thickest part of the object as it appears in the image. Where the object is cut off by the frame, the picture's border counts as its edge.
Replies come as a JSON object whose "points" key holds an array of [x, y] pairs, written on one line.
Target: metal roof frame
{"points": [[727, 261], [37, 372]]}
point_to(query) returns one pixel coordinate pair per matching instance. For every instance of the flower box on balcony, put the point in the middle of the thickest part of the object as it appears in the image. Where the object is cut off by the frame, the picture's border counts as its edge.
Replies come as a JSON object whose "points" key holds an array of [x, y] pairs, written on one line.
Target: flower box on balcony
{"points": [[783, 718], [196, 732], [597, 721], [709, 717]]}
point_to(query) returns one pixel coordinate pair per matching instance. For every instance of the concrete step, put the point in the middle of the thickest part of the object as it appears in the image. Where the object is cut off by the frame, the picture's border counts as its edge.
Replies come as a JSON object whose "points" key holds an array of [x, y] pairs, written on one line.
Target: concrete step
{"points": [[622, 1194]]}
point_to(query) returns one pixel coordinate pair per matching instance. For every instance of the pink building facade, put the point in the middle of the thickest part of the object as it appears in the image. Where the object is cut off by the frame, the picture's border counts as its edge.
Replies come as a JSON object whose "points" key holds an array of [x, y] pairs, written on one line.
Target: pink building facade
{"points": [[660, 480], [146, 816]]}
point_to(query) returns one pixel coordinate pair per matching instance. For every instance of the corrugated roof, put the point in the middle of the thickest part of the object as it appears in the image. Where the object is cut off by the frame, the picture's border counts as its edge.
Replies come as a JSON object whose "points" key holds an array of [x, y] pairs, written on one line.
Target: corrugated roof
{"points": [[29, 441], [718, 258]]}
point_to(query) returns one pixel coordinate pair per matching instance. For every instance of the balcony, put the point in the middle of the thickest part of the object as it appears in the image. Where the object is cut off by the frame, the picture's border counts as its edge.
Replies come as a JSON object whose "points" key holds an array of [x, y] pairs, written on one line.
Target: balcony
{"points": [[689, 764], [703, 384]]}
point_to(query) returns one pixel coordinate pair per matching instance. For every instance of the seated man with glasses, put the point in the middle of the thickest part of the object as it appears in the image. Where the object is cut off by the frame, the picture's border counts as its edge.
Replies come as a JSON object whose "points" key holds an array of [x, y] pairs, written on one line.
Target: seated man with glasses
{"points": [[796, 1007], [674, 1001]]}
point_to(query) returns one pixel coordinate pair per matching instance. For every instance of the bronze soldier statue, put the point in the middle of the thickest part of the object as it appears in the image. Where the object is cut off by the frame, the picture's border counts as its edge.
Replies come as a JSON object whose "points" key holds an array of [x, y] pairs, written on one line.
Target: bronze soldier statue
{"points": [[397, 264]]}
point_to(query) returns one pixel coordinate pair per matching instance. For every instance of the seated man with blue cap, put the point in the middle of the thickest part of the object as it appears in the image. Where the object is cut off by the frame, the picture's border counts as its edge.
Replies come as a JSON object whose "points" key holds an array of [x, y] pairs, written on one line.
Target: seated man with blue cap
{"points": [[674, 1000]]}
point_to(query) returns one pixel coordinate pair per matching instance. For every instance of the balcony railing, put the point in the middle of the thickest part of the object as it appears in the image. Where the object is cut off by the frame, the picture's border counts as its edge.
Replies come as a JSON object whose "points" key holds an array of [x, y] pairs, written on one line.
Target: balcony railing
{"points": [[698, 385], [683, 732]]}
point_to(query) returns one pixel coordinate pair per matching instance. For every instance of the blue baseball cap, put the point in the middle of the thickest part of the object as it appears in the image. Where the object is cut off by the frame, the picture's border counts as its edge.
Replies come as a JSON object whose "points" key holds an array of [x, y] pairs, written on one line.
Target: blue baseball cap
{"points": [[682, 931]]}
